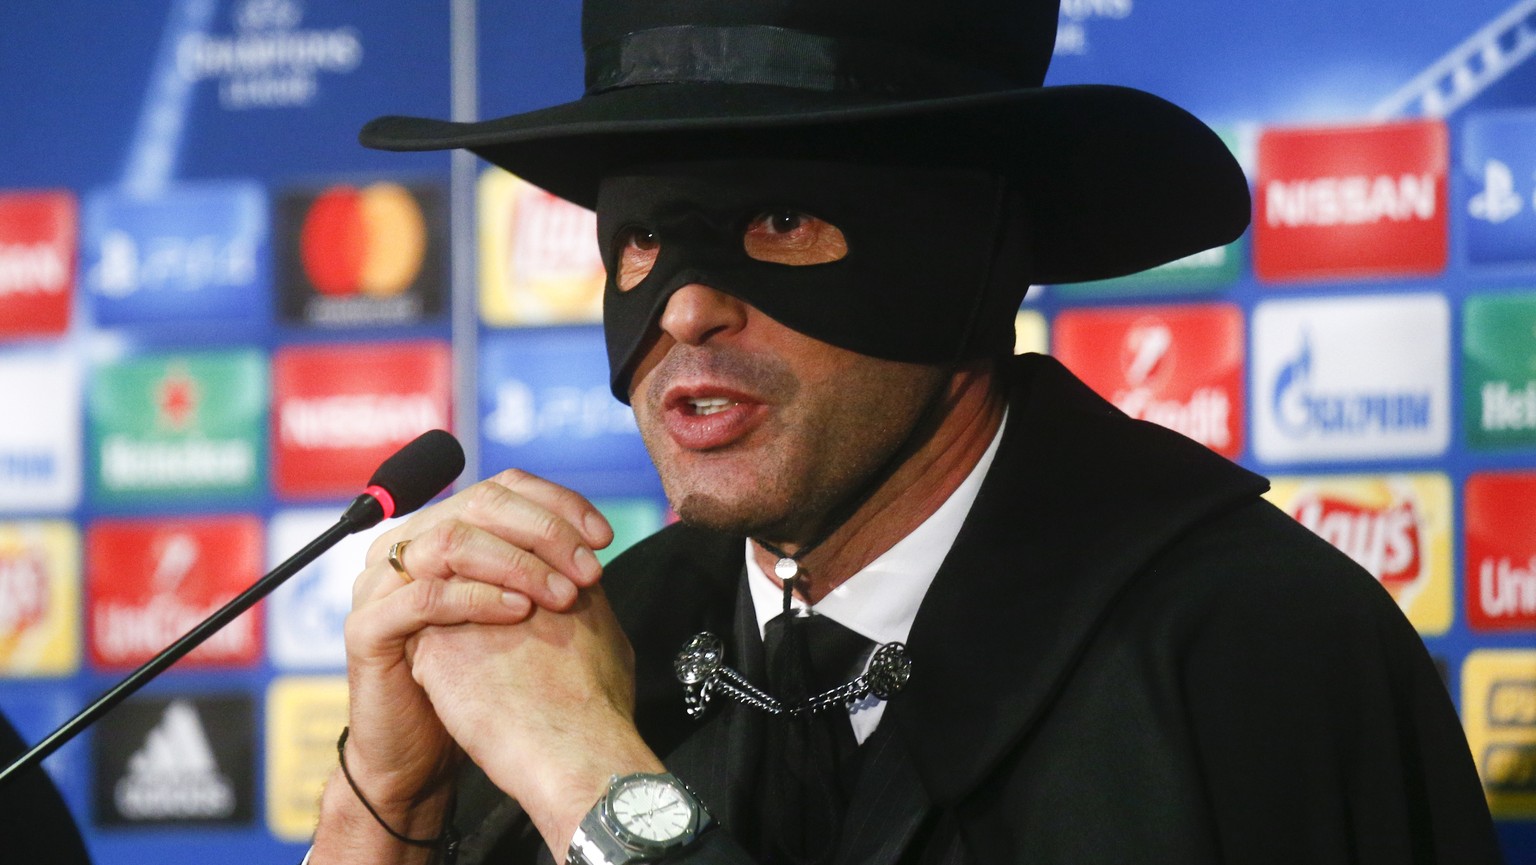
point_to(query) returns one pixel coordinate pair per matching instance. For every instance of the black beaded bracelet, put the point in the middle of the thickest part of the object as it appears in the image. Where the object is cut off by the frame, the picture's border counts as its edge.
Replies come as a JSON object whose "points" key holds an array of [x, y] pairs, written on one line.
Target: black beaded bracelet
{"points": [[447, 841]]}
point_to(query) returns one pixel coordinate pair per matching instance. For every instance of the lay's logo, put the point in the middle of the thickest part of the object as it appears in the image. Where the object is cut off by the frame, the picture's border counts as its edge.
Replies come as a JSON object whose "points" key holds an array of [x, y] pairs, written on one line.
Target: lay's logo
{"points": [[1384, 540], [1397, 527], [539, 261]]}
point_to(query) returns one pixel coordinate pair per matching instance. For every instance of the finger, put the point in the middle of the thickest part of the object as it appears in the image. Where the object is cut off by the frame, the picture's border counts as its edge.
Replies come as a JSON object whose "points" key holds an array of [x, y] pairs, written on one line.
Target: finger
{"points": [[515, 519], [567, 503], [383, 626], [459, 550]]}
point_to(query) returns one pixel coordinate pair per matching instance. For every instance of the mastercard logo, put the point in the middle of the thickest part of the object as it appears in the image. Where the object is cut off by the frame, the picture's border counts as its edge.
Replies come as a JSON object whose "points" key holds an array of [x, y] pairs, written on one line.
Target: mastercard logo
{"points": [[370, 240]]}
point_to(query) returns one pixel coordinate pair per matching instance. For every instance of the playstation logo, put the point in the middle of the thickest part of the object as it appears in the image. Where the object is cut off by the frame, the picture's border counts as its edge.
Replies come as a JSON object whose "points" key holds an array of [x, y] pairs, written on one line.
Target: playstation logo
{"points": [[1497, 202]]}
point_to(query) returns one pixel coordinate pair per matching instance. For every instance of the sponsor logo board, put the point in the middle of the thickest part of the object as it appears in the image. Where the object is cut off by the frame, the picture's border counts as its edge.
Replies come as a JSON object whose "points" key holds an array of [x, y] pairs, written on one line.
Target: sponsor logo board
{"points": [[174, 760], [192, 251], [340, 410], [305, 715], [1352, 201], [1500, 514], [1498, 709], [539, 261], [1398, 527], [1181, 367], [1497, 163], [150, 581], [40, 451], [39, 598], [1498, 373], [362, 256], [178, 426], [38, 234], [545, 406], [306, 614], [1351, 378]]}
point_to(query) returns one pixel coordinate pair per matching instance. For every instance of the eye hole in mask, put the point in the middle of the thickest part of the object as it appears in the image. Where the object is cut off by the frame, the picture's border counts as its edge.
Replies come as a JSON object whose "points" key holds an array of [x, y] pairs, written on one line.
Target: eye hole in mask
{"points": [[777, 237]]}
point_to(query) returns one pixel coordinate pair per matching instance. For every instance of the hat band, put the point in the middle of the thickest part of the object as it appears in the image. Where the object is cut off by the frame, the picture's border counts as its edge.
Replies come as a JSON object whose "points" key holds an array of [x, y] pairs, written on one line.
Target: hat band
{"points": [[780, 57]]}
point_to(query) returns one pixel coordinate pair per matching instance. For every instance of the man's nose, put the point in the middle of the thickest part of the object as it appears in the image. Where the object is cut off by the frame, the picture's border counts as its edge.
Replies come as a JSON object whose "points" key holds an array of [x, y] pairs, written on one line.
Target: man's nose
{"points": [[696, 313]]}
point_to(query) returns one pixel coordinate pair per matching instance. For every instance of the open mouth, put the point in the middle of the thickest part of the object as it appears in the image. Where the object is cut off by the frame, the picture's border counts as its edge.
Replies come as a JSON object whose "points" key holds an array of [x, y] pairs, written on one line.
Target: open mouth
{"points": [[705, 406]]}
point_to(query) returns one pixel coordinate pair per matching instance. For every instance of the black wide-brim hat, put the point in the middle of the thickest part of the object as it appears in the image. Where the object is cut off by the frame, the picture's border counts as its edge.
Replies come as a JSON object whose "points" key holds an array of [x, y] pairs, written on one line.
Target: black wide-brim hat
{"points": [[1116, 180]]}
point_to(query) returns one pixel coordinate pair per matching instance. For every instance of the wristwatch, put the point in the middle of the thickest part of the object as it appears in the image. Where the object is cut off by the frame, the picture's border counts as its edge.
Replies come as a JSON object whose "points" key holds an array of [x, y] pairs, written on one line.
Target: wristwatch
{"points": [[641, 818]]}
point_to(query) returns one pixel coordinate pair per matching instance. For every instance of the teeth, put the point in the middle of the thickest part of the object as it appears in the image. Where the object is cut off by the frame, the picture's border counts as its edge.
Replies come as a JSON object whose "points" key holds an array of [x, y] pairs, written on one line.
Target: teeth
{"points": [[710, 405]]}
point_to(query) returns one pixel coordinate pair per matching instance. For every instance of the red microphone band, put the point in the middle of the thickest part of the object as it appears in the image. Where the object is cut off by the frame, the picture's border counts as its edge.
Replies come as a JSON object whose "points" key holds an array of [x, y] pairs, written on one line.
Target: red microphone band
{"points": [[385, 500]]}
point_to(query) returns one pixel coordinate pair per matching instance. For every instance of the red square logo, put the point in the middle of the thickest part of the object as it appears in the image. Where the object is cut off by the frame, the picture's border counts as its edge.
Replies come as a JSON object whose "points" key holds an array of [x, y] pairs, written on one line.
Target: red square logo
{"points": [[1500, 515], [1349, 202], [38, 235], [1178, 366], [340, 410], [150, 581]]}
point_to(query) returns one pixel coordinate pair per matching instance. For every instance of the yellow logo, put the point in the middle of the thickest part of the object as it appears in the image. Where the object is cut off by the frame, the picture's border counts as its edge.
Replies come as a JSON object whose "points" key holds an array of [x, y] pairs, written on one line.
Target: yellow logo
{"points": [[1398, 527], [305, 715], [39, 598], [1498, 707], [539, 262]]}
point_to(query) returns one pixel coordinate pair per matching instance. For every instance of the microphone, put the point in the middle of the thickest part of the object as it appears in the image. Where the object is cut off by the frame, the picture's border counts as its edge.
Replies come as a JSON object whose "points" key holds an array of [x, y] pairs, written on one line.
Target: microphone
{"points": [[400, 485]]}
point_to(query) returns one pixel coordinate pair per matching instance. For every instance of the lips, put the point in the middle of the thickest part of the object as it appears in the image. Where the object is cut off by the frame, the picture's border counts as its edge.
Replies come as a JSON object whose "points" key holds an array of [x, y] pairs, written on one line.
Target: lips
{"points": [[703, 418]]}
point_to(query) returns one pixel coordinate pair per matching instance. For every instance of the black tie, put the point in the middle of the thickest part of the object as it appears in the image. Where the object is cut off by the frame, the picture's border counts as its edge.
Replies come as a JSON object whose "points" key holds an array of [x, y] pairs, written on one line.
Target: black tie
{"points": [[808, 755]]}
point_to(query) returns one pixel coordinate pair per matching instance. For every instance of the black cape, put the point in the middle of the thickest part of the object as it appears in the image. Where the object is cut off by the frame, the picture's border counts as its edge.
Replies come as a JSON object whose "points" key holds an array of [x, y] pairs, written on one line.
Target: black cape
{"points": [[1128, 656]]}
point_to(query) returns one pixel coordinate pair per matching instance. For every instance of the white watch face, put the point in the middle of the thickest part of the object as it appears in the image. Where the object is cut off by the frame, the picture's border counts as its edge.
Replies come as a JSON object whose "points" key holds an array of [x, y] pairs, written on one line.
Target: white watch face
{"points": [[652, 810]]}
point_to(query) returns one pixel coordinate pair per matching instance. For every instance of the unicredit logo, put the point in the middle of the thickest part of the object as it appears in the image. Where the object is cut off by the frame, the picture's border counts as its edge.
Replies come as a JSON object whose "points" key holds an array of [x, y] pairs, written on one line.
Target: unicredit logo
{"points": [[369, 241]]}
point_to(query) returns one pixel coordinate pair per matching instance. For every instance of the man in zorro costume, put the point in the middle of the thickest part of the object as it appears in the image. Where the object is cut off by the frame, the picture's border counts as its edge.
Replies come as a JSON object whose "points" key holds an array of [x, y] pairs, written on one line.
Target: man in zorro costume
{"points": [[1075, 637]]}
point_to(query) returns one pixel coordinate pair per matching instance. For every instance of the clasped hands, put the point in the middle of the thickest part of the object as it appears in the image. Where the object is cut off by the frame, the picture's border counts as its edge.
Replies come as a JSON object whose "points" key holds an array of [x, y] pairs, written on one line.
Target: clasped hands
{"points": [[497, 644]]}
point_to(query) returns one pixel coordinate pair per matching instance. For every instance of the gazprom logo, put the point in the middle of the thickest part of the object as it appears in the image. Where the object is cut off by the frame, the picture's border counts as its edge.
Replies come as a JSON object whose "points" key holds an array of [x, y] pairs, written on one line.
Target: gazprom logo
{"points": [[1301, 409], [1361, 378]]}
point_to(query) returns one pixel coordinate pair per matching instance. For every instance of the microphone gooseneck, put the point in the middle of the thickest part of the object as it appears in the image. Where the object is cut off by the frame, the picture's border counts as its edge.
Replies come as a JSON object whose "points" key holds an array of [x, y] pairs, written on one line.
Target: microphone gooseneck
{"points": [[400, 485]]}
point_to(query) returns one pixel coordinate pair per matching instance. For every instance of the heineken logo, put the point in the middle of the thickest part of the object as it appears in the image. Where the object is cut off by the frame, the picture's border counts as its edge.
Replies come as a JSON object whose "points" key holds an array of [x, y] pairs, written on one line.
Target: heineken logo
{"points": [[179, 425]]}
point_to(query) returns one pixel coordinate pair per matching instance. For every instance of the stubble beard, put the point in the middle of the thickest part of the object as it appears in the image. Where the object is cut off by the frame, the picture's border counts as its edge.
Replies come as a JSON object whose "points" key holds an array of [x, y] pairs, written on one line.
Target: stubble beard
{"points": [[798, 481]]}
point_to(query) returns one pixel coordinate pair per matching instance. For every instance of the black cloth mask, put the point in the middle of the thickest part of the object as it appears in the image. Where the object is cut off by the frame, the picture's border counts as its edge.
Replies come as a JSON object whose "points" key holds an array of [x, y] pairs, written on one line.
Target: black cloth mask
{"points": [[934, 267]]}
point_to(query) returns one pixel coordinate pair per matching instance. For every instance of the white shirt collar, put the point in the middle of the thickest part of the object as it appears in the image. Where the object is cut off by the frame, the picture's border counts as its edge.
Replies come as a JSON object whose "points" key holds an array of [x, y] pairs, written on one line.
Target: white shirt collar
{"points": [[881, 600]]}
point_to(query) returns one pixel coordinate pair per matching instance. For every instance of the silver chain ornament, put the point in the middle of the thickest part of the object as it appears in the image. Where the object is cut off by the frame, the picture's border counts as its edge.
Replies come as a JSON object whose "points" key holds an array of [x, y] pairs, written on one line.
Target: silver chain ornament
{"points": [[700, 666]]}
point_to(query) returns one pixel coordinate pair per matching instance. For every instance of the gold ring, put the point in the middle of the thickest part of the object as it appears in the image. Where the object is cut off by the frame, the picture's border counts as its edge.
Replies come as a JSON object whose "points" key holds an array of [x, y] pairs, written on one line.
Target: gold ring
{"points": [[396, 550]]}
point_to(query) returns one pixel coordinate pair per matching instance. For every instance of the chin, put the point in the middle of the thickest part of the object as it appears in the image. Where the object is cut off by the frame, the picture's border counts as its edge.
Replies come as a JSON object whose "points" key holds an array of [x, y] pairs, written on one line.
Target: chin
{"points": [[720, 515]]}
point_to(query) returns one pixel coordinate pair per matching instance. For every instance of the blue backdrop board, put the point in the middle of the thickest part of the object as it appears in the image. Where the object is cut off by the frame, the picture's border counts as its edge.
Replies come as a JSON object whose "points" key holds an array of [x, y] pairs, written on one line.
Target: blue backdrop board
{"points": [[215, 305]]}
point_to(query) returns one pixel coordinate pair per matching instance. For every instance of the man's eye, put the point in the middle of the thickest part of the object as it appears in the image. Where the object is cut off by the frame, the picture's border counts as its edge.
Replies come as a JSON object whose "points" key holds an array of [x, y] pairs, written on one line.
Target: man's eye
{"points": [[637, 251], [785, 222], [793, 237], [641, 239]]}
